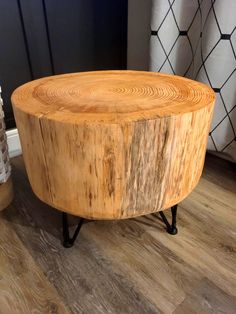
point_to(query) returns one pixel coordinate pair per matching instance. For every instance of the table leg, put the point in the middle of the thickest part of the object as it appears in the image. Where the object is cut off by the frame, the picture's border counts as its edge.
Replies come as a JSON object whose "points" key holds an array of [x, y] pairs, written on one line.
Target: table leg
{"points": [[170, 228], [67, 240]]}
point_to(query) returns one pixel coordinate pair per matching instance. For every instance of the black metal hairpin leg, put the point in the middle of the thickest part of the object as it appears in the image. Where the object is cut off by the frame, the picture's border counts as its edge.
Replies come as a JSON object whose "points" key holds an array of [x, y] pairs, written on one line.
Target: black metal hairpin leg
{"points": [[170, 228], [67, 240]]}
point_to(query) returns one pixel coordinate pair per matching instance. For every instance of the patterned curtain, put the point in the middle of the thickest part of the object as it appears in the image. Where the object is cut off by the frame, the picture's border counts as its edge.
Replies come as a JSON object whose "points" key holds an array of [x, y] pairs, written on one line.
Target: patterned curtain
{"points": [[5, 169], [197, 39]]}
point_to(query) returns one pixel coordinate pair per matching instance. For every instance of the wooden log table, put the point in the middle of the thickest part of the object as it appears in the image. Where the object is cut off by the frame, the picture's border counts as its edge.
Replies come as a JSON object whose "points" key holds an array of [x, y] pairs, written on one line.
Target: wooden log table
{"points": [[113, 144]]}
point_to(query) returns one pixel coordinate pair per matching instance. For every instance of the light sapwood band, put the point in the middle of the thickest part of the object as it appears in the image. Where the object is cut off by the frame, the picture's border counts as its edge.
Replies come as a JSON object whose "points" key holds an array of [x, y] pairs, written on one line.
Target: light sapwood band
{"points": [[113, 144]]}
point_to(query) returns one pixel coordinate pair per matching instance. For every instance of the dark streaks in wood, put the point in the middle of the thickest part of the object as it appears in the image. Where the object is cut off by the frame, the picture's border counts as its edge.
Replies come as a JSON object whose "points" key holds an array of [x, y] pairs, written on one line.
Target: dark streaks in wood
{"points": [[113, 144], [208, 299], [126, 266]]}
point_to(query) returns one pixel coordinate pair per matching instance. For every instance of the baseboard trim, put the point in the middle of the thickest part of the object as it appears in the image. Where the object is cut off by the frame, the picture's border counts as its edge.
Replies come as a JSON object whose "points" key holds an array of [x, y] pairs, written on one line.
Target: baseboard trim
{"points": [[13, 142]]}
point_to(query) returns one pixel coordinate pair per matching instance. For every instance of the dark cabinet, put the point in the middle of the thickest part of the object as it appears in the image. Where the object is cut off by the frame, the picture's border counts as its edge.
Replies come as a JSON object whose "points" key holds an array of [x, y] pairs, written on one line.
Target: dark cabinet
{"points": [[46, 37]]}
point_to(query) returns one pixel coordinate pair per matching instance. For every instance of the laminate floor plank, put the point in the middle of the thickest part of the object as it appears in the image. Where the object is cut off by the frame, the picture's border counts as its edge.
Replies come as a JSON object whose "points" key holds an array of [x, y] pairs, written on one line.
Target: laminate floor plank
{"points": [[207, 299], [86, 285], [221, 172], [128, 266], [23, 286]]}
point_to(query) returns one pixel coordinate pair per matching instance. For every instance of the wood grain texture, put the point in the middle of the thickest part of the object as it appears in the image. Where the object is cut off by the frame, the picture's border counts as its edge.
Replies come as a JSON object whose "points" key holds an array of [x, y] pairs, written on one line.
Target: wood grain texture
{"points": [[23, 286], [126, 266], [207, 299], [6, 193], [113, 144]]}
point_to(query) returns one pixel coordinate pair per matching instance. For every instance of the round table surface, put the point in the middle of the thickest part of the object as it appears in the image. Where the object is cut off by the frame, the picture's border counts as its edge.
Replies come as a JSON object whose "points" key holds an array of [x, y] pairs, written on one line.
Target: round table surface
{"points": [[111, 96]]}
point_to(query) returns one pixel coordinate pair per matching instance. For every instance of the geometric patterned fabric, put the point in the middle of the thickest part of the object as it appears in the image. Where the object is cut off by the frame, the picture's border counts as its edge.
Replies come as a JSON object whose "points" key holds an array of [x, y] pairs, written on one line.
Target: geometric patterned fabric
{"points": [[197, 39], [5, 168]]}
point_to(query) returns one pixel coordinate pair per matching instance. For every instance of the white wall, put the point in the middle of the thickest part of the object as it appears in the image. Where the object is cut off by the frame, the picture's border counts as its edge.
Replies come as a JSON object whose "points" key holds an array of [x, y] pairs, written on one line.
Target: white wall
{"points": [[139, 17]]}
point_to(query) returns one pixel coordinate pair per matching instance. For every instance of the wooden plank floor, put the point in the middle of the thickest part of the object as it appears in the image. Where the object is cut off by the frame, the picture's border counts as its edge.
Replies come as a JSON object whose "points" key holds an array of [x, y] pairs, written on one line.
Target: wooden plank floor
{"points": [[130, 266]]}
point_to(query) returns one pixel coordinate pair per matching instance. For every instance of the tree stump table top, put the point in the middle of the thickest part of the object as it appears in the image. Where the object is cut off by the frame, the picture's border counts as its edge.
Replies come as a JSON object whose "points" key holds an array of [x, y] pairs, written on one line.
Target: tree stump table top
{"points": [[113, 144]]}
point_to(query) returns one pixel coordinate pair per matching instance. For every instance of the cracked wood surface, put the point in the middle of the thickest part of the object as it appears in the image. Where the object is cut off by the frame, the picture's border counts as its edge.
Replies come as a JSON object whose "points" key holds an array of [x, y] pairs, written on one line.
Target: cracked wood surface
{"points": [[113, 144]]}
